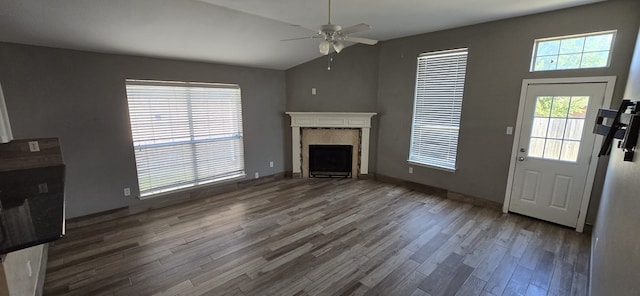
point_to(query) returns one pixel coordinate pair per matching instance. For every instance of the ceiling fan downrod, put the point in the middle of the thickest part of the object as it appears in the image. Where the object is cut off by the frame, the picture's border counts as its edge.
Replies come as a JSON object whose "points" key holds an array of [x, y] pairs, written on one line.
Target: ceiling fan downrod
{"points": [[329, 22]]}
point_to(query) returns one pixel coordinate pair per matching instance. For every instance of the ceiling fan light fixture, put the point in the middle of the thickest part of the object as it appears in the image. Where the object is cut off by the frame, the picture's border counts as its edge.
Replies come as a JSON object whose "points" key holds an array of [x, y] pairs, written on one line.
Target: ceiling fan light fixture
{"points": [[325, 46], [338, 46]]}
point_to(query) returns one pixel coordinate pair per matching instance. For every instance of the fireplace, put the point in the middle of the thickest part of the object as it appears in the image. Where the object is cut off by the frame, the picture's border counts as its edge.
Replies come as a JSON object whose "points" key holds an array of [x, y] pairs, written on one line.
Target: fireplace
{"points": [[330, 128], [330, 161], [330, 136]]}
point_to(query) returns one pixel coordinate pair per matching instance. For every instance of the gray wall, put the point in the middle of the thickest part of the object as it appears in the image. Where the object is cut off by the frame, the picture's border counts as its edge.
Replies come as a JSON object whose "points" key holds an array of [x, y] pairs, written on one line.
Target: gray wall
{"points": [[350, 86], [615, 256], [80, 97], [499, 59]]}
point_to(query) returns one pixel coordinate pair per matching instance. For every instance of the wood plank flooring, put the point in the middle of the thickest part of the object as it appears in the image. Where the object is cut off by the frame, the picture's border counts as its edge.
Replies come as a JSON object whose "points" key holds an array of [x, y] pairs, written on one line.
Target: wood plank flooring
{"points": [[318, 237]]}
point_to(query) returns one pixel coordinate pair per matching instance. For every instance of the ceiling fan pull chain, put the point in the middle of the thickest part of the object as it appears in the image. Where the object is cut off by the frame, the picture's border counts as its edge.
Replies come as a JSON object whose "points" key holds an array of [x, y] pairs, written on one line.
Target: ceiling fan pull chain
{"points": [[329, 59]]}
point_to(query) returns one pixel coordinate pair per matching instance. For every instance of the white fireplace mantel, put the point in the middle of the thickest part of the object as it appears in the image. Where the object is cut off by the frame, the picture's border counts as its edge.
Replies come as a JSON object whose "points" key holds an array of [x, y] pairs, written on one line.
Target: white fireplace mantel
{"points": [[359, 120]]}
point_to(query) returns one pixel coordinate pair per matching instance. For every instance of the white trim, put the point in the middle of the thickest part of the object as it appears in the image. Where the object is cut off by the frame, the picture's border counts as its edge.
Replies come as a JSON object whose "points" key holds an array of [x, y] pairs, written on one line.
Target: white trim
{"points": [[364, 150], [577, 35], [215, 182], [296, 150], [330, 119], [456, 51], [515, 144], [5, 125], [181, 83], [430, 166], [610, 82]]}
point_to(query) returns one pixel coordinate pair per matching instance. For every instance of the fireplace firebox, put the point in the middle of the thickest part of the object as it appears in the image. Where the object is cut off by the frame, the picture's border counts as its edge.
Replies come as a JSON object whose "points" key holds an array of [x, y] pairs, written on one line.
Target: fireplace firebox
{"points": [[327, 161]]}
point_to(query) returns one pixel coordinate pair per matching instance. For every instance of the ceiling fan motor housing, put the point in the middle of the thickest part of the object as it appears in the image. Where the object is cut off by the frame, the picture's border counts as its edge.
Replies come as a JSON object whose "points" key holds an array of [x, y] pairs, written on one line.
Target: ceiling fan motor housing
{"points": [[329, 30]]}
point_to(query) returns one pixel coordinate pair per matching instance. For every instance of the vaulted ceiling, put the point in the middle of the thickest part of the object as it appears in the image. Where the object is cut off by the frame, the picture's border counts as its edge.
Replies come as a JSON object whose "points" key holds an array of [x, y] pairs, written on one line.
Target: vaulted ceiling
{"points": [[237, 32]]}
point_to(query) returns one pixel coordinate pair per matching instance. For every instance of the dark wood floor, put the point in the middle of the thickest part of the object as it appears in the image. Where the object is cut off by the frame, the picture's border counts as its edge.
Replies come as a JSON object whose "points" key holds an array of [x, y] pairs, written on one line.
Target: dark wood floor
{"points": [[319, 237]]}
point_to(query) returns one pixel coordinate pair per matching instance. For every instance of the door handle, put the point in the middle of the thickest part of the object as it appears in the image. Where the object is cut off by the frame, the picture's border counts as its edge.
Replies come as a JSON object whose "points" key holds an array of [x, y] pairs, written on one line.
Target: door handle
{"points": [[520, 158]]}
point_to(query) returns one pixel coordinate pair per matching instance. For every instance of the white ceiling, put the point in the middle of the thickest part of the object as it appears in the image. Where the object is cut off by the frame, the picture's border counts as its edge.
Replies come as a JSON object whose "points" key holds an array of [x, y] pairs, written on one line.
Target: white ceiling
{"points": [[238, 32]]}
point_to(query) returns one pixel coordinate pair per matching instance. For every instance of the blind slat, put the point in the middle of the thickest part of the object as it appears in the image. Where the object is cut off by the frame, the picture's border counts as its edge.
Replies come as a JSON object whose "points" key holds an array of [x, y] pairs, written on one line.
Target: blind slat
{"points": [[437, 108]]}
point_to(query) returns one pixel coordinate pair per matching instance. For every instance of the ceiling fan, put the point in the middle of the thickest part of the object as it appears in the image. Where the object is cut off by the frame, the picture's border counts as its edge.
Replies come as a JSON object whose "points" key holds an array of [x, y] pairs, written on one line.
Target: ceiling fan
{"points": [[333, 36]]}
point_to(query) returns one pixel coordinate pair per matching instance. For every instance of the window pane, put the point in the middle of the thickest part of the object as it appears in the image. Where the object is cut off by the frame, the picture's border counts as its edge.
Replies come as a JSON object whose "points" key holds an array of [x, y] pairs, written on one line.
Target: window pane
{"points": [[572, 45], [556, 128], [595, 59], [552, 149], [164, 166], [540, 125], [560, 107], [536, 147], [569, 61], [545, 63], [546, 48], [578, 107], [598, 43], [570, 150], [210, 157], [574, 129], [543, 106]]}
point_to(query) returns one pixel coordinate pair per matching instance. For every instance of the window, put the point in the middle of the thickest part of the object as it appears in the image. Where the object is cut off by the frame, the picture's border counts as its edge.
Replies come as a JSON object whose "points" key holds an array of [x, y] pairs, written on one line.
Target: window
{"points": [[573, 52], [185, 134], [5, 126], [557, 127], [437, 108]]}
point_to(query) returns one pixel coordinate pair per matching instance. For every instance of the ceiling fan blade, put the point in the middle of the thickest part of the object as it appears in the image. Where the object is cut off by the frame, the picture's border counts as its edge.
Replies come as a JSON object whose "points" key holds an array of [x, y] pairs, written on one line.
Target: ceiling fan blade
{"points": [[360, 40], [302, 38], [355, 28]]}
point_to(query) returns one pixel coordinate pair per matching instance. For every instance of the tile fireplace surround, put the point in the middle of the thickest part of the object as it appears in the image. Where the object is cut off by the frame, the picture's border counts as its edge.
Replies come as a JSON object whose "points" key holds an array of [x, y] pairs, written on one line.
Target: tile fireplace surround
{"points": [[330, 128]]}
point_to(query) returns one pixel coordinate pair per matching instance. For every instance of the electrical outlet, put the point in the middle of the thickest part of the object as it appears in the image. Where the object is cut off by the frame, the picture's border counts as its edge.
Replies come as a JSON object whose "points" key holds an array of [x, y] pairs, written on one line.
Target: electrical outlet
{"points": [[410, 170], [271, 164], [257, 175], [34, 146], [313, 91], [127, 191]]}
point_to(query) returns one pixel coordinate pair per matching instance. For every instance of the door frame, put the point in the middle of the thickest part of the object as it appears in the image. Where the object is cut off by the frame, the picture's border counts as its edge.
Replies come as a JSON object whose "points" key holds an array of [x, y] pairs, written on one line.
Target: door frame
{"points": [[610, 82]]}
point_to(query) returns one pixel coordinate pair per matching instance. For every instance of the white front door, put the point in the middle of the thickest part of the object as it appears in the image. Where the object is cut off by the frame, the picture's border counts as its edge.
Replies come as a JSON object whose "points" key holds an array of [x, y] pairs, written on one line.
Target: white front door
{"points": [[554, 150]]}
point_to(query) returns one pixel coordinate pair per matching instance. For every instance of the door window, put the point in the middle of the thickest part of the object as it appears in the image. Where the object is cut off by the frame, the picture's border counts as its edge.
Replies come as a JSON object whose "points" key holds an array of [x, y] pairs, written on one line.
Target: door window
{"points": [[557, 127]]}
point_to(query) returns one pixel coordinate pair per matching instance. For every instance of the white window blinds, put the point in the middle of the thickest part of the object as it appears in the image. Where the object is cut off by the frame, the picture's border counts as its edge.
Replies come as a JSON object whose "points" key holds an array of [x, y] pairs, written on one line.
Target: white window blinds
{"points": [[437, 108], [185, 134]]}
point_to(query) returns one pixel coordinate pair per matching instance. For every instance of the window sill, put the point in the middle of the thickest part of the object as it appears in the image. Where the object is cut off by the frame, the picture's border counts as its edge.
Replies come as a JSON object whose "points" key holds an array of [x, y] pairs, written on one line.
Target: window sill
{"points": [[194, 187], [431, 166]]}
